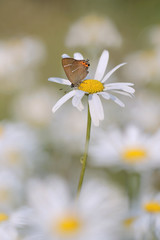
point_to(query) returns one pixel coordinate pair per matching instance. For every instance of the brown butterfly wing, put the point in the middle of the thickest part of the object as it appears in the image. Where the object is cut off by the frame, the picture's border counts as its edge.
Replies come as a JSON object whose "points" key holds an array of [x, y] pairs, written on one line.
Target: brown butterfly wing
{"points": [[67, 64], [76, 70]]}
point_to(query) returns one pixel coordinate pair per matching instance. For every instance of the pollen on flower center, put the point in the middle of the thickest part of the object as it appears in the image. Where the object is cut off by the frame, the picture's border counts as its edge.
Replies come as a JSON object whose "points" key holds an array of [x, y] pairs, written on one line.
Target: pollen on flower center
{"points": [[134, 155], [68, 225], [3, 217], [152, 207], [91, 86]]}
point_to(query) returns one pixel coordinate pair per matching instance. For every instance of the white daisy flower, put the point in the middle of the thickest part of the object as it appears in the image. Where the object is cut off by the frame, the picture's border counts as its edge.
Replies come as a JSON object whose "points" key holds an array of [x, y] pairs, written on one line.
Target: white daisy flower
{"points": [[94, 88], [127, 225], [57, 215], [93, 30], [10, 234], [19, 147], [140, 111], [154, 35], [129, 149], [12, 221], [142, 221], [10, 190], [37, 102], [146, 226], [19, 57], [146, 63]]}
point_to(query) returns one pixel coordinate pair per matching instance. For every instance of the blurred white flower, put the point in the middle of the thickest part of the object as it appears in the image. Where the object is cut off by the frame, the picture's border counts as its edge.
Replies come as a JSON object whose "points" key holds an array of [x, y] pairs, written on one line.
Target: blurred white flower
{"points": [[127, 222], [93, 30], [18, 58], [154, 35], [147, 224], [58, 215], [130, 149], [34, 107], [94, 88], [10, 190], [145, 112], [142, 222], [12, 221], [19, 147], [9, 234], [143, 66]]}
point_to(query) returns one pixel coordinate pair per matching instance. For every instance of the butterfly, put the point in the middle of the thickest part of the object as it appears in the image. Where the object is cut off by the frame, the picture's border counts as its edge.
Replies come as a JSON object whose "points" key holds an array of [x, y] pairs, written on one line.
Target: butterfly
{"points": [[76, 70]]}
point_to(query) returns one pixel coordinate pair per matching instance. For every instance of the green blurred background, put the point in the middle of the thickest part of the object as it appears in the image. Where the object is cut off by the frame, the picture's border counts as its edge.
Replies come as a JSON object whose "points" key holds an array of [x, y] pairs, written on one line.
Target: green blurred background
{"points": [[50, 21]]}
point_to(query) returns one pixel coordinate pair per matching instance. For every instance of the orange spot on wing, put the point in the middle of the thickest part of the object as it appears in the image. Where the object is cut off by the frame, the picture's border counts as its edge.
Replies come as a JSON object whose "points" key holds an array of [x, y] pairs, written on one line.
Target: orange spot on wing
{"points": [[85, 64]]}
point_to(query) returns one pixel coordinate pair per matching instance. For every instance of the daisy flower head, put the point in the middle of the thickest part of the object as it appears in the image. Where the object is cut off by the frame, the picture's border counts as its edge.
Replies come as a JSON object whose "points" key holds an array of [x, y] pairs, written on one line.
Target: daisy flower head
{"points": [[10, 189], [129, 149], [18, 148], [127, 223], [146, 225], [12, 221], [140, 111], [94, 88], [19, 59], [146, 62], [142, 220], [93, 31], [58, 215]]}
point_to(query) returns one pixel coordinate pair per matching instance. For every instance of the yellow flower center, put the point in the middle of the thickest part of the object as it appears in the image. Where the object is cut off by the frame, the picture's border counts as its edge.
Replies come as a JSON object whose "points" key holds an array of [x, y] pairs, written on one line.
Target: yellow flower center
{"points": [[3, 217], [152, 207], [68, 225], [91, 86], [128, 221], [134, 155]]}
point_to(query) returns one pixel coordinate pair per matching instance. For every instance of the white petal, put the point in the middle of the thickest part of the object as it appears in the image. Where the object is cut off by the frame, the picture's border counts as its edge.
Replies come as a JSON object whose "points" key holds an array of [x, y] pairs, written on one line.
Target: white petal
{"points": [[93, 113], [111, 72], [62, 100], [105, 95], [96, 109], [98, 106], [122, 93], [65, 56], [80, 106], [117, 100], [78, 56], [59, 80], [118, 87], [76, 101], [21, 217], [112, 97], [102, 64], [120, 84]]}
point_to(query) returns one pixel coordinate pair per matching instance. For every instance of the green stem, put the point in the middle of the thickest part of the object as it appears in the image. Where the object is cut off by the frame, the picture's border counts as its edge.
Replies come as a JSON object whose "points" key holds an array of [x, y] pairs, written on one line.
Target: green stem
{"points": [[132, 186], [85, 155]]}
